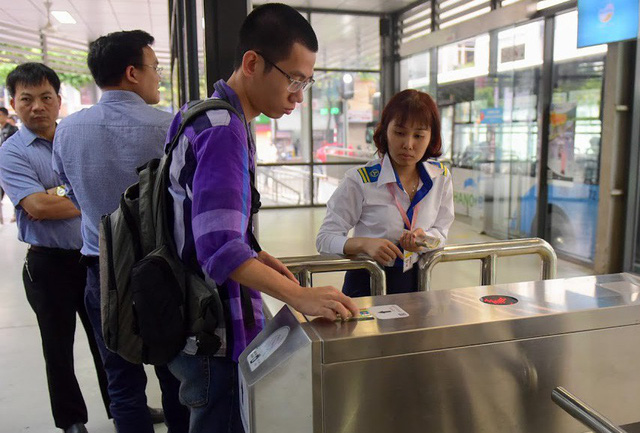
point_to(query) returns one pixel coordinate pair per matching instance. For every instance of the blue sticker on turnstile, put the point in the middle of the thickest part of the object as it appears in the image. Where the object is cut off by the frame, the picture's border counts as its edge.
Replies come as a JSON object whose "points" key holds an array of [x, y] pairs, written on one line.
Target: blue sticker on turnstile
{"points": [[498, 300]]}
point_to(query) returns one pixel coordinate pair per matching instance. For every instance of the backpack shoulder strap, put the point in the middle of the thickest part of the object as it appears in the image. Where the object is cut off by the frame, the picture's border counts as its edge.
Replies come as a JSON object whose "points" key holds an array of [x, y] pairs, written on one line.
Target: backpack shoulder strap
{"points": [[196, 108], [164, 233]]}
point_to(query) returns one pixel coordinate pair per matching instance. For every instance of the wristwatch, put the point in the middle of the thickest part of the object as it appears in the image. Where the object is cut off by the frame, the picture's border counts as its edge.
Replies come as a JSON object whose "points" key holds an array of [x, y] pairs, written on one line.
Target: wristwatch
{"points": [[61, 191]]}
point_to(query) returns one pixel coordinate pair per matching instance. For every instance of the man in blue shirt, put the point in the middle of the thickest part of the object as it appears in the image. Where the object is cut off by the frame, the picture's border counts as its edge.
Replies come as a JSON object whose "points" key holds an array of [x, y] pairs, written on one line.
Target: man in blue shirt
{"points": [[96, 152], [50, 223]]}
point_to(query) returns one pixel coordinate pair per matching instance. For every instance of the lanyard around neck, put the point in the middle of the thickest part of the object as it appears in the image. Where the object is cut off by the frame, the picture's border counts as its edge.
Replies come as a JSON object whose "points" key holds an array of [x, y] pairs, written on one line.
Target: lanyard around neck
{"points": [[403, 214]]}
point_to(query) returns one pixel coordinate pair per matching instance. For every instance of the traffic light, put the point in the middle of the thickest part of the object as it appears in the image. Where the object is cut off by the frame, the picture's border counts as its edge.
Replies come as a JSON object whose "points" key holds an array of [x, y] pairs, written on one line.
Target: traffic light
{"points": [[347, 86]]}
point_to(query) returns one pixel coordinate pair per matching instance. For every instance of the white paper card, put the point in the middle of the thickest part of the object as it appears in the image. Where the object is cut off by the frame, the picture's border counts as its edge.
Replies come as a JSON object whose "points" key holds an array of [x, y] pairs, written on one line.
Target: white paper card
{"points": [[383, 312], [408, 261], [268, 346]]}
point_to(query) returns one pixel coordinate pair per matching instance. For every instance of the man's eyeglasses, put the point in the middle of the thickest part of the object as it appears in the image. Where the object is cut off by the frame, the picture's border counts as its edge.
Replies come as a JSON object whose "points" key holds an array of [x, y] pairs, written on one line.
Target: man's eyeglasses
{"points": [[295, 85], [158, 69]]}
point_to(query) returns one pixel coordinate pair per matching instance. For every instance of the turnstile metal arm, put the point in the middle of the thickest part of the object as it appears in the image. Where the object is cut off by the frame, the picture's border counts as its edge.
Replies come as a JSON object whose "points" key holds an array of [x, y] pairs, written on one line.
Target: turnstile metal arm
{"points": [[488, 253], [582, 412], [304, 266]]}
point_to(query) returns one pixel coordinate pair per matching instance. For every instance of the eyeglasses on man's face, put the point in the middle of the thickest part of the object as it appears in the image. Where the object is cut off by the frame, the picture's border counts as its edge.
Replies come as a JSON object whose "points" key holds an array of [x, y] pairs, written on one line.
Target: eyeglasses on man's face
{"points": [[294, 85], [156, 68]]}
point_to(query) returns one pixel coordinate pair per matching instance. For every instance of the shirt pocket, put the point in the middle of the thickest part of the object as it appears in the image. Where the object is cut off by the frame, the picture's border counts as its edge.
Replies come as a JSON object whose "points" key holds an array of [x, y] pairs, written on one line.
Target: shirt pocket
{"points": [[380, 215]]}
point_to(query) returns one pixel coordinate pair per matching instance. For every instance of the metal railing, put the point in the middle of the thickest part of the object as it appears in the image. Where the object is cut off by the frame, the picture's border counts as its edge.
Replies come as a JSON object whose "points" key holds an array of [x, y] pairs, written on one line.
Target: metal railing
{"points": [[582, 412], [488, 253], [304, 266]]}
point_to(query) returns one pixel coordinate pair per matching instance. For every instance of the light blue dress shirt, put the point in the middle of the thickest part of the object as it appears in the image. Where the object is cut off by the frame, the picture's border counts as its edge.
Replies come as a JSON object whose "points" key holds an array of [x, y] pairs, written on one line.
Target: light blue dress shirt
{"points": [[96, 152], [25, 169]]}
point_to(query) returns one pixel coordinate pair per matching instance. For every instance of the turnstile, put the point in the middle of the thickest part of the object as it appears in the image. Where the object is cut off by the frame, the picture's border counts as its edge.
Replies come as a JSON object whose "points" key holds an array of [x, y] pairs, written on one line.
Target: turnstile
{"points": [[453, 363]]}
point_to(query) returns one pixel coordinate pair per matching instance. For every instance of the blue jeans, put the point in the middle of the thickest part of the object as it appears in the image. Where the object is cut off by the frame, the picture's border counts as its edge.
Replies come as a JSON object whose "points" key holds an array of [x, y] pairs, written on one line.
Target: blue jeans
{"points": [[127, 381], [209, 387]]}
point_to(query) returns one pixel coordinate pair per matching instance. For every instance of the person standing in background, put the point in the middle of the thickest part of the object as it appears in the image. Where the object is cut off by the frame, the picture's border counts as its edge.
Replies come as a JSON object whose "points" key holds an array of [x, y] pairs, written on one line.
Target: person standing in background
{"points": [[96, 152], [49, 222], [7, 129]]}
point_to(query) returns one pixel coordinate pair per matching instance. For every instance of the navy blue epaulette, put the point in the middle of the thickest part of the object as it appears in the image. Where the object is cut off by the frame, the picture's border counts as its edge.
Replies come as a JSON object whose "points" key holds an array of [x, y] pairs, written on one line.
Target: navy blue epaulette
{"points": [[445, 170], [369, 174]]}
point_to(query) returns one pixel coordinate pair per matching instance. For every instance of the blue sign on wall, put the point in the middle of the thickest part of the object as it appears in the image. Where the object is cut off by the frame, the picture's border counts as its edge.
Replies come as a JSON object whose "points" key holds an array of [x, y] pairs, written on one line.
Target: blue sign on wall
{"points": [[604, 21], [491, 116]]}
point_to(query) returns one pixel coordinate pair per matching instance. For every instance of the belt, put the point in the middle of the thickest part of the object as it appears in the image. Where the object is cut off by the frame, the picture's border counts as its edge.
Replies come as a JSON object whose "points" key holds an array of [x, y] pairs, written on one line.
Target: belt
{"points": [[53, 251]]}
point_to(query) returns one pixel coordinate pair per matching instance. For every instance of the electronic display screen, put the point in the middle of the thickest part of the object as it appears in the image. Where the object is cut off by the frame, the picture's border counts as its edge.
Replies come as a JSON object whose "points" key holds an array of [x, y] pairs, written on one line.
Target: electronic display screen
{"points": [[605, 21], [498, 300]]}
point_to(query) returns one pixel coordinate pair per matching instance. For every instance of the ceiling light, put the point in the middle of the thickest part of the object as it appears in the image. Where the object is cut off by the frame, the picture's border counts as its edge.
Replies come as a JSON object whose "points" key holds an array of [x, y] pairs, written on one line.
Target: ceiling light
{"points": [[63, 17]]}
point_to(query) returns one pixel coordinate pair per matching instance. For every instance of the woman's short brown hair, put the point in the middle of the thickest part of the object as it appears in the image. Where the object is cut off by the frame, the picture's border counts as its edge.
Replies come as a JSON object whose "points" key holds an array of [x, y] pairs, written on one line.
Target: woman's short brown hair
{"points": [[415, 107]]}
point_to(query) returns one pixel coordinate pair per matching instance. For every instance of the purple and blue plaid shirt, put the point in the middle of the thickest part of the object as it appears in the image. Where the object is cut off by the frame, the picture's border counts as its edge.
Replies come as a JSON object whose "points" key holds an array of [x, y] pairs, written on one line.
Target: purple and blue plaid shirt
{"points": [[211, 191]]}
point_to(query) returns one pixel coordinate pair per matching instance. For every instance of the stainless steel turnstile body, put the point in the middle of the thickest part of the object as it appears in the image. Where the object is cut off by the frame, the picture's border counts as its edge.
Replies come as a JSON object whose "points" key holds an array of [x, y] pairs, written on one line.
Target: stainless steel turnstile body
{"points": [[454, 364]]}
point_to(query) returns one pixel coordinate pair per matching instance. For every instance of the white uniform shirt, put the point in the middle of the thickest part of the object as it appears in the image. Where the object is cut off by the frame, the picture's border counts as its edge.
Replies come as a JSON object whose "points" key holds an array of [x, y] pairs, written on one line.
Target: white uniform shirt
{"points": [[363, 202]]}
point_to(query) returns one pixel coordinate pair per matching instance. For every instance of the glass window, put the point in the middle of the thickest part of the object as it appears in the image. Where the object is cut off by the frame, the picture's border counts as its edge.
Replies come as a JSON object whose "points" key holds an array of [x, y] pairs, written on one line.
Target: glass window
{"points": [[174, 85], [283, 185], [494, 145], [282, 140], [345, 107], [347, 41], [326, 179], [415, 72], [464, 59], [303, 156], [574, 156], [565, 41], [446, 131], [463, 112], [520, 47]]}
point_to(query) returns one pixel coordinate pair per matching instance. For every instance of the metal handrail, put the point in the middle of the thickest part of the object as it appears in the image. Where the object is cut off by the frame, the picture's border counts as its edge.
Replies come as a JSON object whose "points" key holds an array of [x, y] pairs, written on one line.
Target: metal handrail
{"points": [[487, 253], [278, 182], [583, 413], [304, 266]]}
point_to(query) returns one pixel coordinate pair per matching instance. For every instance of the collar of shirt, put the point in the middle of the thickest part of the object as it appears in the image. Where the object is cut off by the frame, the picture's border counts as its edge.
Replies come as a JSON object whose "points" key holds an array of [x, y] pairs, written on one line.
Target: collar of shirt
{"points": [[120, 96], [228, 94], [28, 137], [389, 175], [225, 92]]}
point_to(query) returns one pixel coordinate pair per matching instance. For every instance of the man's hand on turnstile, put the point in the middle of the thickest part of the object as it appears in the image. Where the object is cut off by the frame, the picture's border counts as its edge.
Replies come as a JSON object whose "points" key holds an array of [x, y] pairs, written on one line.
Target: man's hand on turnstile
{"points": [[326, 302]]}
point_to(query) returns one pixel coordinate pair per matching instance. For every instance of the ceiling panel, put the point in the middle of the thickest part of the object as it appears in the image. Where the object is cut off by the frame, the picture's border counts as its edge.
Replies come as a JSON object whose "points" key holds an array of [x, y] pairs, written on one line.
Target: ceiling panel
{"points": [[378, 6], [94, 17], [98, 17]]}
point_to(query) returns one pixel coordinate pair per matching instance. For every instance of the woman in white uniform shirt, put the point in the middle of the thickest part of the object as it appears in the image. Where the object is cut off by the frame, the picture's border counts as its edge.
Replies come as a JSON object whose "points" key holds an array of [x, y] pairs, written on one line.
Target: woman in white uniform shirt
{"points": [[395, 201]]}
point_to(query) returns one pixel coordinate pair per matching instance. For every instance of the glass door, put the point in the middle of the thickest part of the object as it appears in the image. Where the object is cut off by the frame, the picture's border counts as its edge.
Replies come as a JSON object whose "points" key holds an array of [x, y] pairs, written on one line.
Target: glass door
{"points": [[574, 143]]}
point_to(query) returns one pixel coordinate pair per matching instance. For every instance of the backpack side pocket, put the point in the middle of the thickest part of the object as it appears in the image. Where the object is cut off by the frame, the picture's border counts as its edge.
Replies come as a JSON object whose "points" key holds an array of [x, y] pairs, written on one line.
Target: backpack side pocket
{"points": [[205, 315], [158, 306]]}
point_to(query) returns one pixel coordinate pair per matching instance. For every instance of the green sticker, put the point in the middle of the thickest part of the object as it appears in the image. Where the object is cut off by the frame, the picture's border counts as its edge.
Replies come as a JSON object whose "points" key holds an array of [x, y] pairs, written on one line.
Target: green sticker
{"points": [[364, 314]]}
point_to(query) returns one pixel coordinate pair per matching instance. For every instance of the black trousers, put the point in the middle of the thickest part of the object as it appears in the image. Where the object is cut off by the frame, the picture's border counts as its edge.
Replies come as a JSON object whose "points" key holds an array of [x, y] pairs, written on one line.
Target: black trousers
{"points": [[54, 282], [357, 283]]}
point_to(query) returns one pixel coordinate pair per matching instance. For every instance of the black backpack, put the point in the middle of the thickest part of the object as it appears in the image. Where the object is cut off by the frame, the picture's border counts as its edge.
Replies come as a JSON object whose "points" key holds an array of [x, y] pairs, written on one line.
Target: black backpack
{"points": [[150, 299]]}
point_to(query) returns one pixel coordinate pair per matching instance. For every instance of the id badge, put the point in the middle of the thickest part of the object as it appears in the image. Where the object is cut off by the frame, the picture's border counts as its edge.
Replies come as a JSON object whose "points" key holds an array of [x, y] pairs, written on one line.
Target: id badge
{"points": [[408, 262]]}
